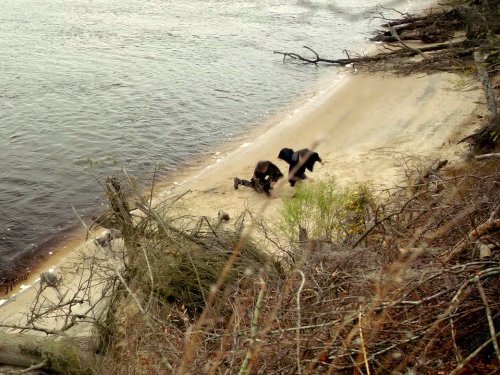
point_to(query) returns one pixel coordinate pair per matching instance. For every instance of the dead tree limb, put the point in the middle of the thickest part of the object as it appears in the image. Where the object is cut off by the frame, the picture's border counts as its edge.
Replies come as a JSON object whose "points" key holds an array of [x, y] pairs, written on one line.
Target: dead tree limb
{"points": [[488, 156], [121, 211], [458, 48], [316, 60], [405, 20], [390, 38], [405, 46], [341, 62]]}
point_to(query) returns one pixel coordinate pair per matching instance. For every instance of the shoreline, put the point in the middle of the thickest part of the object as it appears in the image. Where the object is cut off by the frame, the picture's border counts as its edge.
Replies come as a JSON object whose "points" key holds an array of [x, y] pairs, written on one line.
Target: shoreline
{"points": [[357, 126], [56, 250], [240, 162], [188, 170], [360, 153], [284, 117]]}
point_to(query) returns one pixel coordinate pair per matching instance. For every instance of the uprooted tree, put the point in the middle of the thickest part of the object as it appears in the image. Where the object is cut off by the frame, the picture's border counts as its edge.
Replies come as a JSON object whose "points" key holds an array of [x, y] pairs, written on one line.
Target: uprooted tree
{"points": [[461, 37]]}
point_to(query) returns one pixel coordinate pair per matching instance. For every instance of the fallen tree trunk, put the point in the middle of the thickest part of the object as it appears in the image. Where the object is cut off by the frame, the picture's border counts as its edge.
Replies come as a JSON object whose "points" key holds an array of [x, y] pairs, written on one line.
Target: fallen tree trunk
{"points": [[404, 21], [390, 38], [61, 355], [386, 36], [485, 138], [493, 118]]}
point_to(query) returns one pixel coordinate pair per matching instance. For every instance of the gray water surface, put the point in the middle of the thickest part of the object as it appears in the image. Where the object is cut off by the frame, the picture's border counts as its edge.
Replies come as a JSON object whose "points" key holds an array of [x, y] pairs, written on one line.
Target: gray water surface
{"points": [[99, 84]]}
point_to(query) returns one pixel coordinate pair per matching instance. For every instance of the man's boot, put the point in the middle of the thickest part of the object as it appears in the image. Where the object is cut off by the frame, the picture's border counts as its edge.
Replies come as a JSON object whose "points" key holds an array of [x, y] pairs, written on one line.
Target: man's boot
{"points": [[237, 183]]}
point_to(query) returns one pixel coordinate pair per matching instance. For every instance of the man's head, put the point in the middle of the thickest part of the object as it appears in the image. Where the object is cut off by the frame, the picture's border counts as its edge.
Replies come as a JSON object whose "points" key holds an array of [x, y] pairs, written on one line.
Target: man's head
{"points": [[262, 166], [286, 155]]}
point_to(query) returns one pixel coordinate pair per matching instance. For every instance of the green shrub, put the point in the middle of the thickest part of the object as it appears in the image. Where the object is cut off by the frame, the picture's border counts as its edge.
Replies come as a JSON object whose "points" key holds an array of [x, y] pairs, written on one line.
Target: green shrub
{"points": [[326, 211]]}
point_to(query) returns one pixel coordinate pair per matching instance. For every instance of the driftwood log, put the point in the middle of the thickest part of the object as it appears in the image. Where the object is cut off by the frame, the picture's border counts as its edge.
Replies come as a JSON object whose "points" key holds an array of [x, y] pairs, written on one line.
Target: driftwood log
{"points": [[55, 355], [493, 117], [490, 226]]}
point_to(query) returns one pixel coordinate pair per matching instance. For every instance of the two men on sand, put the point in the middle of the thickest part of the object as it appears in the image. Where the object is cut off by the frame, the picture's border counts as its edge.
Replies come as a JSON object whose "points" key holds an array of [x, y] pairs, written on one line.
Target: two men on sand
{"points": [[266, 174]]}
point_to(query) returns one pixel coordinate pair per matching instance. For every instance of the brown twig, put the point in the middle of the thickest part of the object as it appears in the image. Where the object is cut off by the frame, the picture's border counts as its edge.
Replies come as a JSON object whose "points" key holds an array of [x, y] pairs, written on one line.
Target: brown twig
{"points": [[488, 316]]}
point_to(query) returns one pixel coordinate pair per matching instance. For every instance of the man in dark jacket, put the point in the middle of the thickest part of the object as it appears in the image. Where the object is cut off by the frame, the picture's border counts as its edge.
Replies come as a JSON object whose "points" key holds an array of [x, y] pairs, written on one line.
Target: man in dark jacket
{"points": [[265, 175], [299, 161]]}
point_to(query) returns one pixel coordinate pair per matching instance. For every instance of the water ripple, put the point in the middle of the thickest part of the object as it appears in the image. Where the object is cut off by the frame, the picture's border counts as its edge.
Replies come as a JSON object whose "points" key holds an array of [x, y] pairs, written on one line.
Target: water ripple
{"points": [[88, 88]]}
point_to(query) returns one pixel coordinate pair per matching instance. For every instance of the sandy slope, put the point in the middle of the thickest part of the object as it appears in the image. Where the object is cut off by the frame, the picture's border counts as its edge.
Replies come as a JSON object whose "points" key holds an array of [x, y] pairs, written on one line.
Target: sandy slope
{"points": [[359, 128]]}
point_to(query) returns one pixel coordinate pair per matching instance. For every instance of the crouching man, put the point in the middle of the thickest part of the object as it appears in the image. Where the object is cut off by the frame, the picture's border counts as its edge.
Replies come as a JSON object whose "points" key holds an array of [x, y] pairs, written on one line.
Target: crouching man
{"points": [[265, 176]]}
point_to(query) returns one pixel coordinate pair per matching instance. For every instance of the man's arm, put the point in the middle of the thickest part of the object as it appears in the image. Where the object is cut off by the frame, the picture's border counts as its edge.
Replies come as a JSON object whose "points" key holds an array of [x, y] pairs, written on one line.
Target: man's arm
{"points": [[273, 172]]}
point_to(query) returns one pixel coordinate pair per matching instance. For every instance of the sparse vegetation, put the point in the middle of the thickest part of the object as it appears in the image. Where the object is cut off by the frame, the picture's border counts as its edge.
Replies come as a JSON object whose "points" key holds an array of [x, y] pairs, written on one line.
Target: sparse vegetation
{"points": [[396, 301], [406, 282], [416, 294], [326, 211]]}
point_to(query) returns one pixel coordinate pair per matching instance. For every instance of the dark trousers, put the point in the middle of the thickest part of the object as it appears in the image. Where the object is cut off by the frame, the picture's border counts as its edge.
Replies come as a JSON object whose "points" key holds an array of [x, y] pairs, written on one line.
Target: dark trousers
{"points": [[257, 186]]}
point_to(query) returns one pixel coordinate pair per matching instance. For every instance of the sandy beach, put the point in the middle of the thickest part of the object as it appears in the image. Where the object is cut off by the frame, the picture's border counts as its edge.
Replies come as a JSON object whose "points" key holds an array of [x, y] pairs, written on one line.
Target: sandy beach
{"points": [[361, 127]]}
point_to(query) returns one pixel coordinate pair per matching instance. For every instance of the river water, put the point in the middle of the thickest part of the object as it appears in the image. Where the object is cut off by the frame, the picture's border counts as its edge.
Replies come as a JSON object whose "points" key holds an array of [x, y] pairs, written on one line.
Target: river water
{"points": [[90, 86]]}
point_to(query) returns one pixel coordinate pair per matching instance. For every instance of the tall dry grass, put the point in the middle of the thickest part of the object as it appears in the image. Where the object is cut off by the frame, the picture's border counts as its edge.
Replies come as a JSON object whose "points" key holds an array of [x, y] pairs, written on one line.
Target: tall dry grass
{"points": [[414, 295]]}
